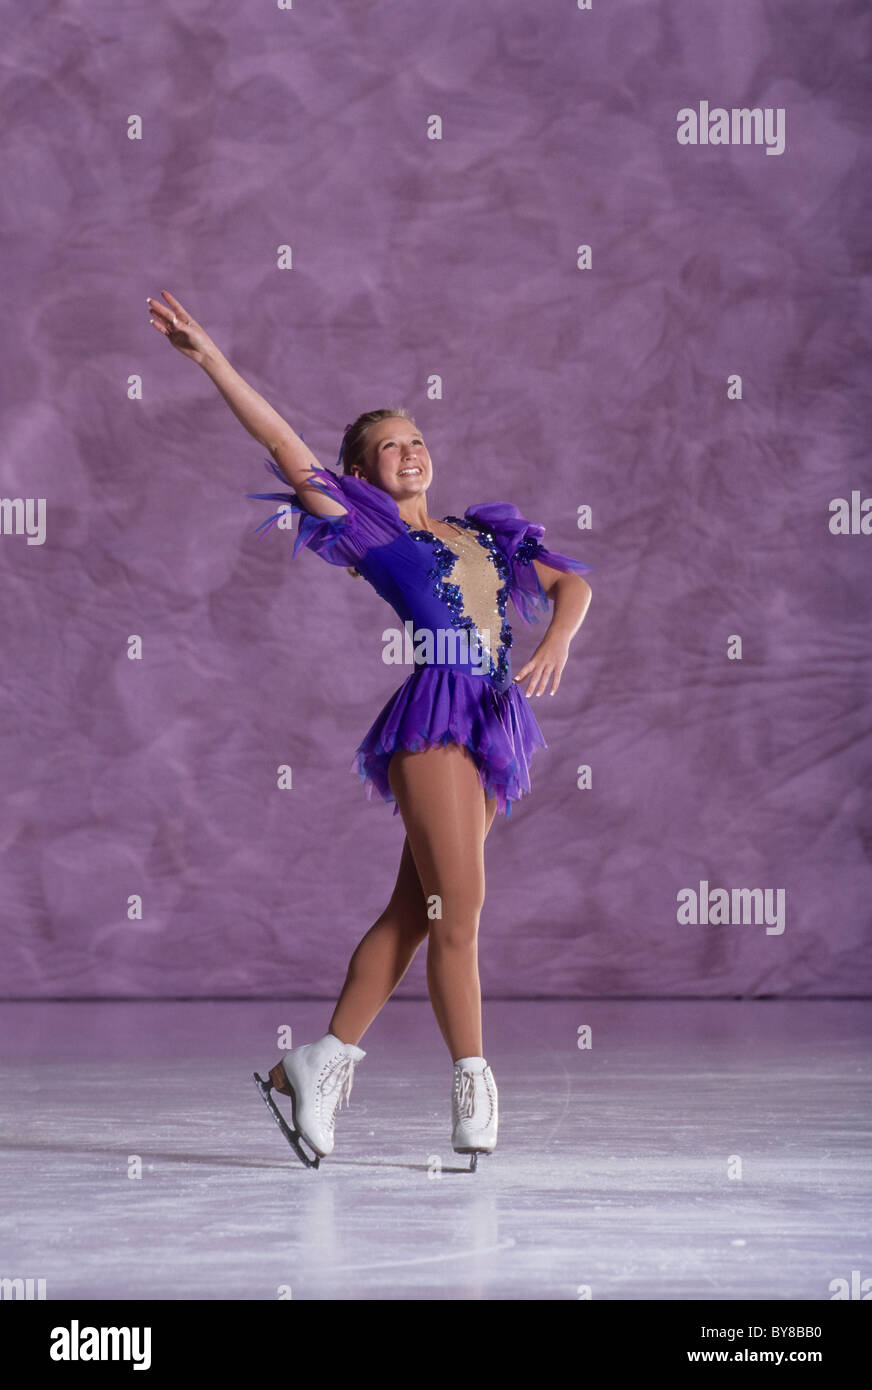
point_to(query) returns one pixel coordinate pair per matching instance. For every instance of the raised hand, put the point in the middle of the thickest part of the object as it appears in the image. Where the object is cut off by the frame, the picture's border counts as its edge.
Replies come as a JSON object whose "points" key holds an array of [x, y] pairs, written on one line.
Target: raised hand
{"points": [[181, 328]]}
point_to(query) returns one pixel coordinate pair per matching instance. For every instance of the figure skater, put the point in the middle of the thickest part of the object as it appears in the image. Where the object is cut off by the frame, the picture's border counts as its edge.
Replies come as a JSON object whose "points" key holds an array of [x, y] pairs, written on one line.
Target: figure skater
{"points": [[452, 746]]}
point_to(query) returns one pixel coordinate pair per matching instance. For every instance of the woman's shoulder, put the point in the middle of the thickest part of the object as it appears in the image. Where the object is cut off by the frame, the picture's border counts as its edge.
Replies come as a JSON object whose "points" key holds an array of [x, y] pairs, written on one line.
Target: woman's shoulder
{"points": [[522, 542]]}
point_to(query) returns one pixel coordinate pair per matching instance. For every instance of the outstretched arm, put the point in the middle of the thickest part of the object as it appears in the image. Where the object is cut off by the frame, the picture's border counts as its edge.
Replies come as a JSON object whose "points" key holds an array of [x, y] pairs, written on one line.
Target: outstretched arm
{"points": [[293, 457]]}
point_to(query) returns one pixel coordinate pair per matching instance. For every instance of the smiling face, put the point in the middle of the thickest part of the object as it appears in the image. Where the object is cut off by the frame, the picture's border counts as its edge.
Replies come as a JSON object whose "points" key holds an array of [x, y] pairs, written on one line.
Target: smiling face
{"points": [[397, 459]]}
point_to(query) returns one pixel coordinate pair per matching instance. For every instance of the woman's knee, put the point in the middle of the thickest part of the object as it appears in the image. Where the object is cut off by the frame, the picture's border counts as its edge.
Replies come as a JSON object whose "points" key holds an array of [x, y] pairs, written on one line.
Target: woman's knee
{"points": [[456, 918], [454, 936]]}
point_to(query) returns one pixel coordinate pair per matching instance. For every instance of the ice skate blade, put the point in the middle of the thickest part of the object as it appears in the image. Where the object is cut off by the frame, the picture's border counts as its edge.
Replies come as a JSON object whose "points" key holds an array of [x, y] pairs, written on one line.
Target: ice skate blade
{"points": [[474, 1156], [292, 1135]]}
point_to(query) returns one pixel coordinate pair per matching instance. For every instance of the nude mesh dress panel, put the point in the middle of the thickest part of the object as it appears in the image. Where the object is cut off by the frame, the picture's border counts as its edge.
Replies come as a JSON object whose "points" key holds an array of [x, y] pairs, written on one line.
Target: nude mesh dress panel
{"points": [[476, 576]]}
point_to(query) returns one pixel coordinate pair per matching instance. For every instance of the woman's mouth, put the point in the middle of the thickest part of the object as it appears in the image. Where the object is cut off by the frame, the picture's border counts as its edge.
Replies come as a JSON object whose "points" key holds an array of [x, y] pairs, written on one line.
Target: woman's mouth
{"points": [[407, 472]]}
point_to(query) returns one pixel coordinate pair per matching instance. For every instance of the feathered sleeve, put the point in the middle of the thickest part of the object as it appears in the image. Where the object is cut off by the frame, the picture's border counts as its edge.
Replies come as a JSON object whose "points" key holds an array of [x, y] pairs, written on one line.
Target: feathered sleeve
{"points": [[371, 517], [520, 541]]}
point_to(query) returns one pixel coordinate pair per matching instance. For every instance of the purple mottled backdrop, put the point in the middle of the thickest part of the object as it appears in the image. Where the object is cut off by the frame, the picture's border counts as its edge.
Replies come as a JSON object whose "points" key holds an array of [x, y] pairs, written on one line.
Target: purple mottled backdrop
{"points": [[701, 383]]}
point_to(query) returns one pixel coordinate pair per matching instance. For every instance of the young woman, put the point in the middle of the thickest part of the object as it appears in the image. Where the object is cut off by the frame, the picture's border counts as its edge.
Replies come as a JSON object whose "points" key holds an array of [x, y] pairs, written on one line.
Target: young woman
{"points": [[452, 746]]}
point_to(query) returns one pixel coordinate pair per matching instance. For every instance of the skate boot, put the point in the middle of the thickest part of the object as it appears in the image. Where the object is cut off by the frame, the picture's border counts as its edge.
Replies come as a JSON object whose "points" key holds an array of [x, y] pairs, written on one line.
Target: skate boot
{"points": [[474, 1109], [317, 1077]]}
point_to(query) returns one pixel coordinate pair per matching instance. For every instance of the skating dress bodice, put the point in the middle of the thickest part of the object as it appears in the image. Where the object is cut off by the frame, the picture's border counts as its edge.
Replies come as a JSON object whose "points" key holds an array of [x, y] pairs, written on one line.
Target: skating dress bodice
{"points": [[450, 595]]}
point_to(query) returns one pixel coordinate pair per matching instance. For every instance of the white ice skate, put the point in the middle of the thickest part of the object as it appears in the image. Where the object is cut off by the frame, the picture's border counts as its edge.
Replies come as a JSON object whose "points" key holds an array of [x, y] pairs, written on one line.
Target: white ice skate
{"points": [[474, 1109], [317, 1077]]}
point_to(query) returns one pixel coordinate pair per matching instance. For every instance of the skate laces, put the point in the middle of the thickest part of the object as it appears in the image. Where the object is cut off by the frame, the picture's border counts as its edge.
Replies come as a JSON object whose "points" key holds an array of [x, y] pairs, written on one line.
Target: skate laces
{"points": [[465, 1087], [466, 1098], [336, 1087]]}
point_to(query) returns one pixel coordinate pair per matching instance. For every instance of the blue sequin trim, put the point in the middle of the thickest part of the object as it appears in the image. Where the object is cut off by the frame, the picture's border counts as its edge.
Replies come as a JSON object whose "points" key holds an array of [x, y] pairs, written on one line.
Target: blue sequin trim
{"points": [[528, 550], [445, 559]]}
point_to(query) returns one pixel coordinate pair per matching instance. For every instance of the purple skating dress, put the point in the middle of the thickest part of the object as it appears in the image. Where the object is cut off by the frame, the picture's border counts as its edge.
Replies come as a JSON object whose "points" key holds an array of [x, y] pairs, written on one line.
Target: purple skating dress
{"points": [[461, 690]]}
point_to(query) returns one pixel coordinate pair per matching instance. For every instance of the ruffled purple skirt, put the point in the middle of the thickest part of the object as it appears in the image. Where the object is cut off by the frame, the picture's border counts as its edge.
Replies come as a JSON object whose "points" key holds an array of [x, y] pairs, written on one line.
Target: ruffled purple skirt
{"points": [[439, 705]]}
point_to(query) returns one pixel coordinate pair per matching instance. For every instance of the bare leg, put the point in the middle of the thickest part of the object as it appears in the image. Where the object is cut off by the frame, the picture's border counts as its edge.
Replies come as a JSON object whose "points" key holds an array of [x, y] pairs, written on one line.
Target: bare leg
{"points": [[386, 951], [383, 956], [446, 816]]}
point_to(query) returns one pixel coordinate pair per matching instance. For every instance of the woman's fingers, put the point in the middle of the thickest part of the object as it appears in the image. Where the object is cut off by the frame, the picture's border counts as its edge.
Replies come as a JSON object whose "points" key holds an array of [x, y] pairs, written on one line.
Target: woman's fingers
{"points": [[162, 313], [179, 327], [545, 665], [543, 681], [539, 672], [177, 308], [529, 673], [176, 311]]}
